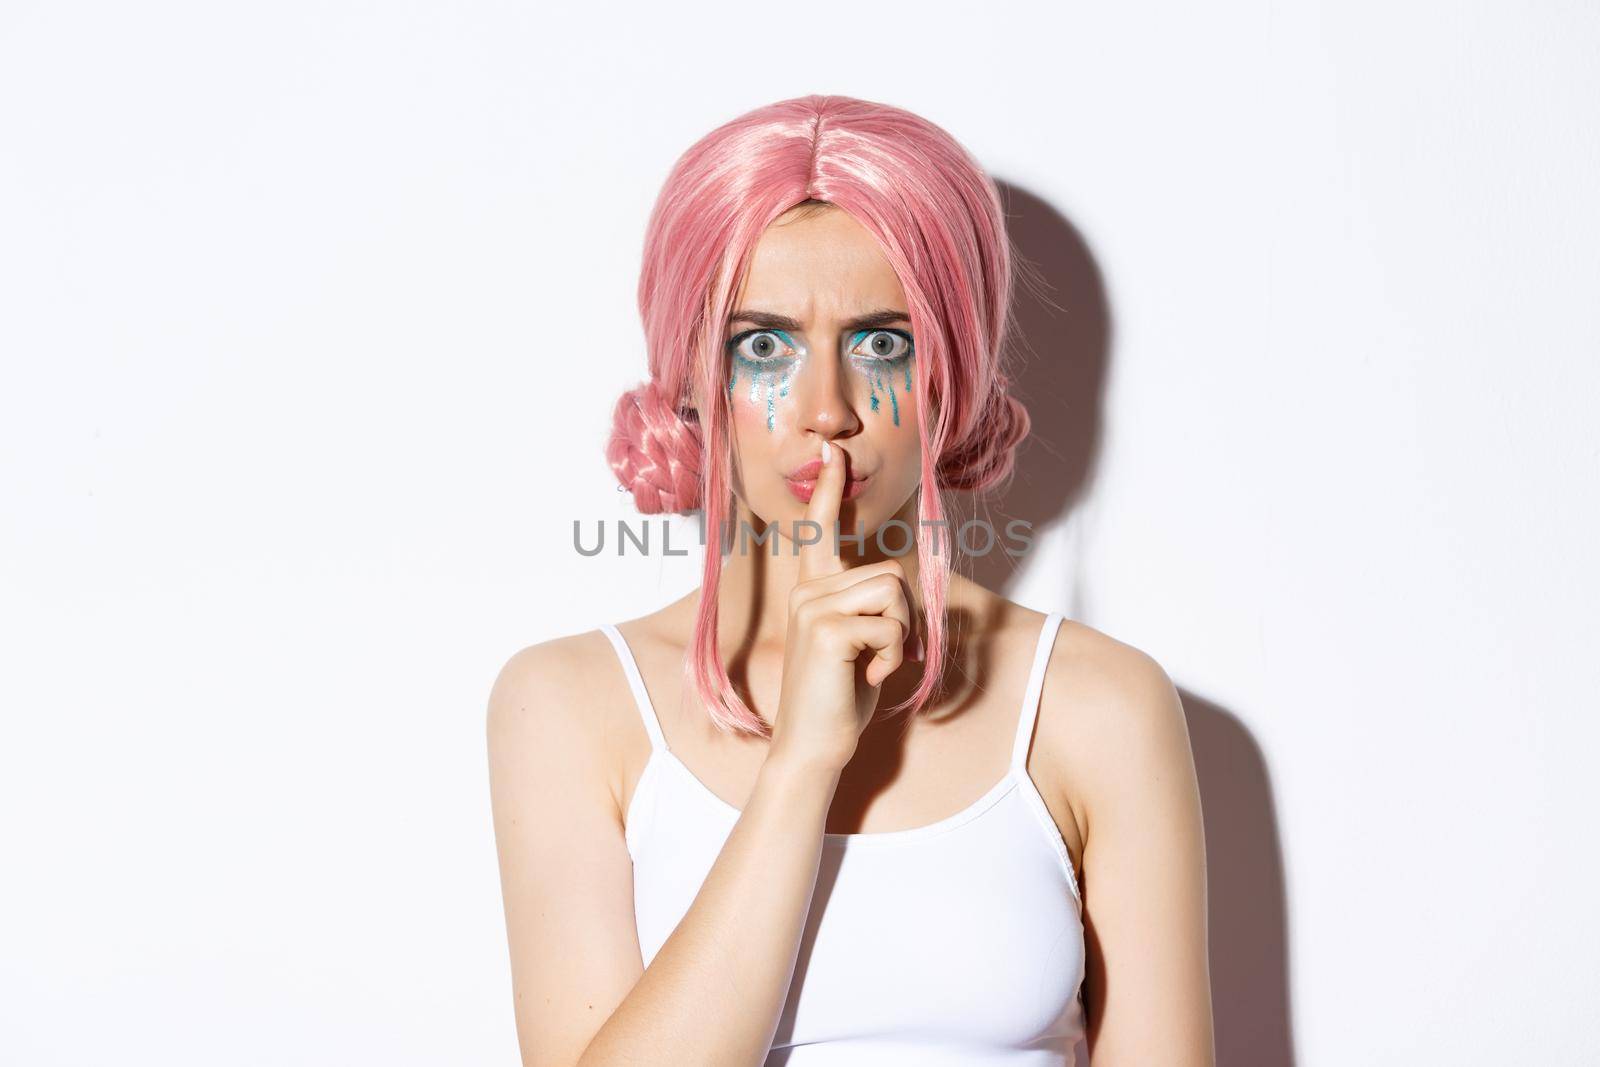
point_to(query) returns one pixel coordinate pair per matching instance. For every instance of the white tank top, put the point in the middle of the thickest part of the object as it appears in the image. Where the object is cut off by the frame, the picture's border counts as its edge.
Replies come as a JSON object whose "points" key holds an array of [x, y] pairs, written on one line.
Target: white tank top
{"points": [[955, 944]]}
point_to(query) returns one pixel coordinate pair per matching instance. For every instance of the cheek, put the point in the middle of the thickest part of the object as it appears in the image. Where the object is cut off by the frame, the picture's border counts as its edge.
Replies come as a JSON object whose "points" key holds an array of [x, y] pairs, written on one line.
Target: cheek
{"points": [[890, 412], [889, 408], [902, 453], [887, 388], [756, 402], [756, 395]]}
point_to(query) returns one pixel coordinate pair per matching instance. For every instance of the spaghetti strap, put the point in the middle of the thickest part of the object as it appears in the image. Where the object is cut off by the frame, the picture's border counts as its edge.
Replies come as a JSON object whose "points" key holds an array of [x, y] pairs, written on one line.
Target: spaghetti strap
{"points": [[641, 696], [1030, 697]]}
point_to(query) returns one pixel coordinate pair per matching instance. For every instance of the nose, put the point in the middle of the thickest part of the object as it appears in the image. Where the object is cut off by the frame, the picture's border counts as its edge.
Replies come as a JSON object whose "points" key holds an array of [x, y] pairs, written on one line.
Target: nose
{"points": [[823, 401]]}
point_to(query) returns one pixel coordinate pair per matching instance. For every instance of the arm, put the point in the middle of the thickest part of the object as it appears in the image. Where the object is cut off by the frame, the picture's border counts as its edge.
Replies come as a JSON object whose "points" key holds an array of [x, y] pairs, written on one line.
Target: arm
{"points": [[1147, 984], [714, 993]]}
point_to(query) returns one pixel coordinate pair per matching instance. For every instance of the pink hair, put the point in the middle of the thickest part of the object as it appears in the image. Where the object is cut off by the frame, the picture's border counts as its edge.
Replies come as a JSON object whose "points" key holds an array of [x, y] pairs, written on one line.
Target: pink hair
{"points": [[939, 221]]}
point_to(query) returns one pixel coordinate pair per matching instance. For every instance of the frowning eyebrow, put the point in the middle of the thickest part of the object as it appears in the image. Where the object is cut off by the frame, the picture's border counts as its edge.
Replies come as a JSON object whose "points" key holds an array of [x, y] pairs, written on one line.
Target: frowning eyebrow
{"points": [[767, 320]]}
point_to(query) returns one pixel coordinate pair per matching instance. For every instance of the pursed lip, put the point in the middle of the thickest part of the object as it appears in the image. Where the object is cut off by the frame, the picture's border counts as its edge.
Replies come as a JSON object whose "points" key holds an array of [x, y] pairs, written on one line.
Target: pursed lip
{"points": [[808, 472], [803, 482], [804, 490]]}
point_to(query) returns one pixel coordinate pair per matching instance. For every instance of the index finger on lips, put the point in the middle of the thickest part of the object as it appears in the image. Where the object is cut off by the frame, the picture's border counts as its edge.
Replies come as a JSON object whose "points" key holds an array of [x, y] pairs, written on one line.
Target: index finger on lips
{"points": [[821, 557]]}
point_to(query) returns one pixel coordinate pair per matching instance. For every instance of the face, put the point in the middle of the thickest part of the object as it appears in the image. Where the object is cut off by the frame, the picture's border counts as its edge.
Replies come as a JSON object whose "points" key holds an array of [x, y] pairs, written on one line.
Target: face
{"points": [[820, 347]]}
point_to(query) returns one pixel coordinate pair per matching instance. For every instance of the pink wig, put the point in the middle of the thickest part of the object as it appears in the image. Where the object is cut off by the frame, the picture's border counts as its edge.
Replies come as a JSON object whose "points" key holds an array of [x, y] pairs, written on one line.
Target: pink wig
{"points": [[939, 221]]}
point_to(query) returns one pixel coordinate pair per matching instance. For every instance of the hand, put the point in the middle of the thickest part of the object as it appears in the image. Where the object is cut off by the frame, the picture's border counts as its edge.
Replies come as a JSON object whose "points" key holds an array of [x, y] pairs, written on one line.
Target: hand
{"points": [[836, 614]]}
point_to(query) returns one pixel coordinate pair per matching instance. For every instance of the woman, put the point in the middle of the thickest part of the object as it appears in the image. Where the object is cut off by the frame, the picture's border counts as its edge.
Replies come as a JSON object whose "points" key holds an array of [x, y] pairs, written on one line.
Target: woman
{"points": [[717, 845]]}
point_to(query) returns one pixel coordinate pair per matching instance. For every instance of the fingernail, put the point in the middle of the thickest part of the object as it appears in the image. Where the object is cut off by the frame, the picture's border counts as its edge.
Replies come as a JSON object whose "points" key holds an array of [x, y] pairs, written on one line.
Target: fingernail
{"points": [[921, 651], [827, 451]]}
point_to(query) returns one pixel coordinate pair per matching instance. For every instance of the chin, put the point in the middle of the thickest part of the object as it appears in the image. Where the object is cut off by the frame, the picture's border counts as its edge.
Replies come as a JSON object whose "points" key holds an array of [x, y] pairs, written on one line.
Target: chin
{"points": [[856, 517], [863, 514]]}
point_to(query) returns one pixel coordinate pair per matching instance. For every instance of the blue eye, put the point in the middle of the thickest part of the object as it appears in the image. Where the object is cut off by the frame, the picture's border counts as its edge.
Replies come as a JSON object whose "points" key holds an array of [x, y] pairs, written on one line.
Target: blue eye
{"points": [[759, 346], [887, 346]]}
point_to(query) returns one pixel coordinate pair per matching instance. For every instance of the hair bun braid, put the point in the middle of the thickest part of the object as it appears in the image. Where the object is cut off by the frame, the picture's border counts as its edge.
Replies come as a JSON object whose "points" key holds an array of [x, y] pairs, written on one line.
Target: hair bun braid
{"points": [[989, 453], [655, 451]]}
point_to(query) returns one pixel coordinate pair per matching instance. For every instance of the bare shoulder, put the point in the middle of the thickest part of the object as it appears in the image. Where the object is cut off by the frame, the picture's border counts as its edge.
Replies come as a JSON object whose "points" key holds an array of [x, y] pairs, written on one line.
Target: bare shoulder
{"points": [[565, 871], [541, 685], [1113, 718], [547, 713], [1121, 742]]}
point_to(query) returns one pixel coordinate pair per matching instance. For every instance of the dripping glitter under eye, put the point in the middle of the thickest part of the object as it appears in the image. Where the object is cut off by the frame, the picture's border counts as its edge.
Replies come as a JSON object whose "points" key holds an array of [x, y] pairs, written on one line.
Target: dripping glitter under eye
{"points": [[766, 370]]}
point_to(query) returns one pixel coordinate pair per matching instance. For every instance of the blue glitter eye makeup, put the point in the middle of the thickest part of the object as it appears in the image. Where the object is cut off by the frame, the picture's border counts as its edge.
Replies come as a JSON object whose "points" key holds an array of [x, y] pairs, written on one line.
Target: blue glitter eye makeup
{"points": [[888, 350], [769, 358], [768, 364]]}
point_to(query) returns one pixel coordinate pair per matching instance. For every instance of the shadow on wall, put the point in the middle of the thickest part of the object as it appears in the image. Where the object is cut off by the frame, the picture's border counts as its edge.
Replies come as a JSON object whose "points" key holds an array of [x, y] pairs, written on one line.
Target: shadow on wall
{"points": [[1061, 353], [1248, 910]]}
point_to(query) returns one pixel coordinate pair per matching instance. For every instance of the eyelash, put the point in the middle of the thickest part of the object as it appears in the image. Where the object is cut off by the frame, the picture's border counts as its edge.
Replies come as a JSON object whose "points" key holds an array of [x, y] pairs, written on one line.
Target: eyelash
{"points": [[735, 343]]}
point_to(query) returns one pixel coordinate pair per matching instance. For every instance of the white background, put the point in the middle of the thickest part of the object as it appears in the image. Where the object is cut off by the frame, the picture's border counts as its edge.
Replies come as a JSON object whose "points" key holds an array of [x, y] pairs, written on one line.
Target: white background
{"points": [[312, 317]]}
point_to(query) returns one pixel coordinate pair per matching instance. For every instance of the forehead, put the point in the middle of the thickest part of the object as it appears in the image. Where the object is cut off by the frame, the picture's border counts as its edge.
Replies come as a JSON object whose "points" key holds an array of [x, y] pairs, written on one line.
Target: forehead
{"points": [[821, 265]]}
